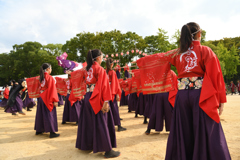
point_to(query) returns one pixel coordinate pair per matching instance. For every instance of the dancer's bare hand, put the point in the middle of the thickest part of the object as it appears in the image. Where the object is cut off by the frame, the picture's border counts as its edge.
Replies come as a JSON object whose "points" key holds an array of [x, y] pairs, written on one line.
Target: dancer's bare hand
{"points": [[55, 104], [105, 107], [117, 98], [220, 109]]}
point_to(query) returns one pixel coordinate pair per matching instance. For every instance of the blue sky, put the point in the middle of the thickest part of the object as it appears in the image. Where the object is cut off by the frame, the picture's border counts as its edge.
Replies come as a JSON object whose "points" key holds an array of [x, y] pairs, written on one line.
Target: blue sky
{"points": [[55, 21]]}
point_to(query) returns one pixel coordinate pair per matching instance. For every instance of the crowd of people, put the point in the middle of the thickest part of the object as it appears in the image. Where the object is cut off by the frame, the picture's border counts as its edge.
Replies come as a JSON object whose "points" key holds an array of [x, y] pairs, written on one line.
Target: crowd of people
{"points": [[188, 105], [235, 89]]}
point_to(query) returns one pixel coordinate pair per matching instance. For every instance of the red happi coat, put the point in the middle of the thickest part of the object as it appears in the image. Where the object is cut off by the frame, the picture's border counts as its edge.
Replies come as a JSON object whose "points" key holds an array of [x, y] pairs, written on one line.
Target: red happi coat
{"points": [[232, 87], [238, 86], [49, 94], [124, 86], [95, 75], [126, 68], [198, 61], [117, 68], [6, 93], [201, 61], [114, 86]]}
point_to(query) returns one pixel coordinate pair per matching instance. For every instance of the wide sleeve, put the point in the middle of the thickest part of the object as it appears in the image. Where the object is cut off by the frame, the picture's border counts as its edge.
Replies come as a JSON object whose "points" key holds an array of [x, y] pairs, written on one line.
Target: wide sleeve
{"points": [[50, 94], [115, 86], [72, 99], [172, 94], [101, 91], [213, 87], [78, 83], [61, 86], [33, 87]]}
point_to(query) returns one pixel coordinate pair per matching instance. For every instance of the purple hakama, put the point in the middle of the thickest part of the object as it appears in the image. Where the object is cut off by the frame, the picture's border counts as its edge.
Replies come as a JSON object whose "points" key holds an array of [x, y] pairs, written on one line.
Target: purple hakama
{"points": [[161, 109], [193, 134], [3, 103], [126, 74], [95, 132], [28, 102], [71, 113], [45, 120], [149, 98], [140, 106], [60, 102], [132, 102], [17, 107], [124, 99], [118, 74], [115, 112]]}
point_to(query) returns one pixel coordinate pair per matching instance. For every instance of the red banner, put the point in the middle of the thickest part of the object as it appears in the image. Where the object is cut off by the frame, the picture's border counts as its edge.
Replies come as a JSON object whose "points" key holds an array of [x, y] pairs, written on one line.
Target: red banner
{"points": [[78, 84], [155, 74], [33, 85], [61, 86]]}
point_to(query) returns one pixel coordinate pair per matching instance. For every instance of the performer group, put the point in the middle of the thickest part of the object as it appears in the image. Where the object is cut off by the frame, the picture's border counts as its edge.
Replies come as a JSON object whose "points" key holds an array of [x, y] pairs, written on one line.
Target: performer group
{"points": [[188, 105]]}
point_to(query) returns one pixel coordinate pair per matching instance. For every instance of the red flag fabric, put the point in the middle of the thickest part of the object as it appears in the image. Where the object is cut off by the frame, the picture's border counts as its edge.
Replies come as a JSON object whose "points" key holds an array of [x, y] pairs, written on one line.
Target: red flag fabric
{"points": [[84, 64], [78, 84], [120, 82], [137, 78], [33, 87], [134, 88], [155, 74], [72, 99], [61, 86], [126, 86]]}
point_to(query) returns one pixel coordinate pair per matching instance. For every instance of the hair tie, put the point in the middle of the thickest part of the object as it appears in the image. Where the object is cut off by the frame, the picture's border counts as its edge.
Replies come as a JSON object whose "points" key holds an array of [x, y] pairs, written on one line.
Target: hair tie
{"points": [[195, 33]]}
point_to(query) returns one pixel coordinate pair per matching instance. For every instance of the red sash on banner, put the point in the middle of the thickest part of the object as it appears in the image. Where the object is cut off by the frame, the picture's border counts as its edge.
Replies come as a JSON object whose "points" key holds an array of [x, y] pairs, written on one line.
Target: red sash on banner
{"points": [[61, 86], [33, 85], [155, 74]]}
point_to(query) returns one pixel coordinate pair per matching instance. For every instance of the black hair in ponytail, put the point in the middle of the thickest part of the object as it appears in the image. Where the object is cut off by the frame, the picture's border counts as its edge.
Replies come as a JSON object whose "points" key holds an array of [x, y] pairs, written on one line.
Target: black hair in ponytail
{"points": [[188, 33], [5, 86], [41, 71], [91, 57], [108, 64]]}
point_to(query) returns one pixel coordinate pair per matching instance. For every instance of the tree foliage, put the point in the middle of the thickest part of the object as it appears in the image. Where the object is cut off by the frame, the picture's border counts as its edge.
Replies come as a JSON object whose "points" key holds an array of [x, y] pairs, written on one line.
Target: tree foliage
{"points": [[25, 59]]}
